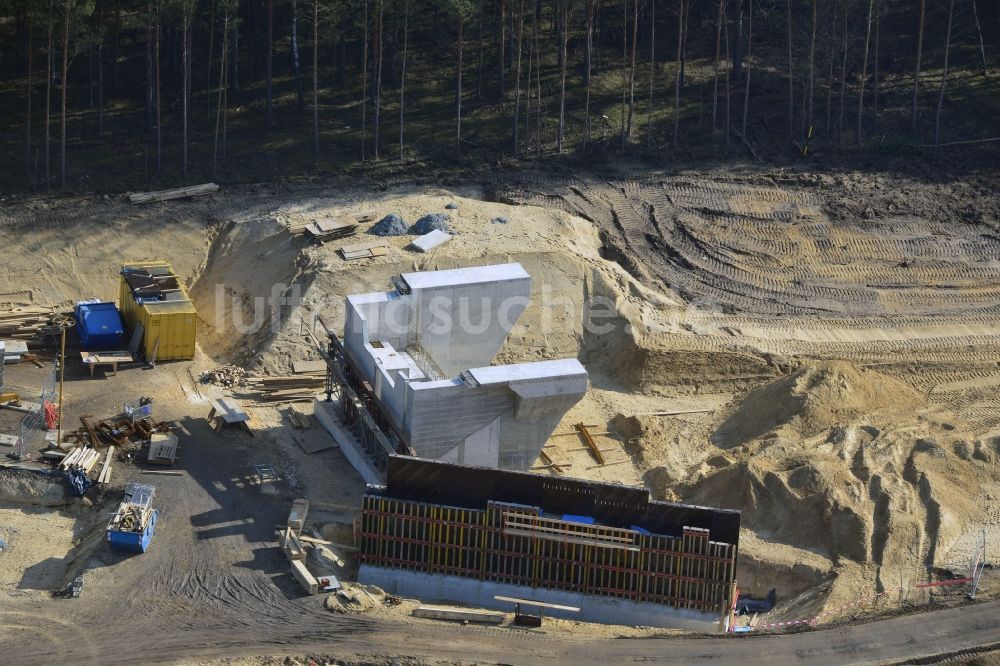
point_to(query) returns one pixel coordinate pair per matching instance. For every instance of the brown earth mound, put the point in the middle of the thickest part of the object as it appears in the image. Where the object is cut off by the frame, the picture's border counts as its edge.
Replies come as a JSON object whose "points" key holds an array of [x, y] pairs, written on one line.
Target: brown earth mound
{"points": [[810, 400]]}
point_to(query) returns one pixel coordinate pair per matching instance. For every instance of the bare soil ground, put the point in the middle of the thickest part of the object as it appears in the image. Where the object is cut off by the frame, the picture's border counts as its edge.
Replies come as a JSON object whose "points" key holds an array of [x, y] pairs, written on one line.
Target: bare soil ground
{"points": [[833, 336]]}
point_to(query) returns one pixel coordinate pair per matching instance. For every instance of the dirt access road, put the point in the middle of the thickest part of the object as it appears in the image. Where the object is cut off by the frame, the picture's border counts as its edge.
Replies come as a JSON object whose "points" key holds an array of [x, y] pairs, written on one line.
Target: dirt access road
{"points": [[150, 639]]}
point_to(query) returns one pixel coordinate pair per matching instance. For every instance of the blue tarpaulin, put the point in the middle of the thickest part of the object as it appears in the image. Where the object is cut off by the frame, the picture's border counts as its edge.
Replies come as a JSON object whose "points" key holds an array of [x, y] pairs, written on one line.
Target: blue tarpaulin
{"points": [[78, 482], [586, 520]]}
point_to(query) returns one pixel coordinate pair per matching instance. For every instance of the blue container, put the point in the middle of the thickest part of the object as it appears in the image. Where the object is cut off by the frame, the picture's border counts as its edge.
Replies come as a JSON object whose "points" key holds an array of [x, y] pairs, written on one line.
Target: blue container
{"points": [[99, 326], [134, 542]]}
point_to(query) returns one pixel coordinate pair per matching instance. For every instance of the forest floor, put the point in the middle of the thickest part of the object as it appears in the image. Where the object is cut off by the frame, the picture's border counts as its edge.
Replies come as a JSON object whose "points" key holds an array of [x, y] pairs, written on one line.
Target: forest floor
{"points": [[832, 334]]}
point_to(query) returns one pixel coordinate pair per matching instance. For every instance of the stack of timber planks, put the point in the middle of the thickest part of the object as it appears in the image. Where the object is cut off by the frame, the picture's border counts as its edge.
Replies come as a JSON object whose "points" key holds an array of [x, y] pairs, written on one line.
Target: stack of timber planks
{"points": [[338, 225], [82, 457], [27, 322], [309, 378], [177, 193], [277, 390]]}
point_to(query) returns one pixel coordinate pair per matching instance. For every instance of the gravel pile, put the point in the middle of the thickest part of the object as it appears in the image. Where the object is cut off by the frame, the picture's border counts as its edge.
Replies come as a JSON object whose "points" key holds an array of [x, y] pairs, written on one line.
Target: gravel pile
{"points": [[390, 225], [429, 223]]}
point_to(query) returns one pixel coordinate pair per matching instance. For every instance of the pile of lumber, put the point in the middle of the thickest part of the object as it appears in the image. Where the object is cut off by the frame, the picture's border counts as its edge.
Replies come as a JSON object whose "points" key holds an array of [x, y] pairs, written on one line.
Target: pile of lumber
{"points": [[82, 457], [27, 322], [335, 226], [176, 193], [292, 388]]}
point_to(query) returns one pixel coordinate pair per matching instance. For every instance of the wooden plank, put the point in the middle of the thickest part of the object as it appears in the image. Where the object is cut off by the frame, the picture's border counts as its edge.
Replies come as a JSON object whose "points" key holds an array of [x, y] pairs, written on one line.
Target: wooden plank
{"points": [[538, 604], [365, 245], [342, 223], [609, 464], [589, 441], [107, 465], [303, 367], [459, 614], [176, 193], [229, 410]]}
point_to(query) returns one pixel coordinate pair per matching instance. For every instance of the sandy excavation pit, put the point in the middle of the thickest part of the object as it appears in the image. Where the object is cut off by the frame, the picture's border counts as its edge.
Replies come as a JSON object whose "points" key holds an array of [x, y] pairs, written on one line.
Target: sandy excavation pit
{"points": [[833, 341], [47, 536]]}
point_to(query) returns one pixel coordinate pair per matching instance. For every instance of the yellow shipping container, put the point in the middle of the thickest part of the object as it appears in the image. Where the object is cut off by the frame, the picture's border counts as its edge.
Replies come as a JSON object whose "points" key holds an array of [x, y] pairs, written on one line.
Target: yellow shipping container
{"points": [[154, 299]]}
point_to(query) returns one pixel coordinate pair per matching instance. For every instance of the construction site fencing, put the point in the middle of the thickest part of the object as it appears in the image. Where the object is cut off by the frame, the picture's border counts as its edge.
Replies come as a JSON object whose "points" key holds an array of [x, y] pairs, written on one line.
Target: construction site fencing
{"points": [[508, 543], [33, 426]]}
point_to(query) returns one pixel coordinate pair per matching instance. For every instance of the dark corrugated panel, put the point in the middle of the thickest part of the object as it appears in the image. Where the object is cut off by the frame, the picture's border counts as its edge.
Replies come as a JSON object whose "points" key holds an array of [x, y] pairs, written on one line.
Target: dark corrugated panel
{"points": [[613, 505]]}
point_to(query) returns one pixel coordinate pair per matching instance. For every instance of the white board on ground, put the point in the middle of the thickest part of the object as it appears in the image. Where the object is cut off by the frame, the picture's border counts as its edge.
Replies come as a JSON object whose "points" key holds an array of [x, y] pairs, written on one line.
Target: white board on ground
{"points": [[431, 240]]}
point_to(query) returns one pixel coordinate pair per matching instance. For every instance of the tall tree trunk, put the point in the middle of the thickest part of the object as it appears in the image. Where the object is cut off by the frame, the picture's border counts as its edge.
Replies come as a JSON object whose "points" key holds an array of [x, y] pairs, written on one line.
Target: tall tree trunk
{"points": [[625, 78], [843, 77], [27, 163], [791, 76], [517, 84], [715, 68], [631, 69], [832, 55], [270, 57], [149, 74], [588, 57], [944, 74], [479, 69], [235, 60], [809, 104], [746, 89], [48, 103], [538, 79], [916, 73], [295, 55], [501, 45], [364, 85], [979, 33], [100, 88], [527, 90], [458, 87], [684, 45], [224, 84], [185, 85], [725, 22], [222, 87], [402, 77], [564, 38], [156, 67], [211, 55], [864, 73], [68, 7], [378, 84], [315, 74], [875, 83], [677, 74], [652, 69]]}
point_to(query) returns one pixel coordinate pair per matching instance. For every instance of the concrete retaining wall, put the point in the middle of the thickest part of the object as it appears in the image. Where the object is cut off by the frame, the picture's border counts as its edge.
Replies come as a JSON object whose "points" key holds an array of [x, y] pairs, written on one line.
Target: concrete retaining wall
{"points": [[604, 610]]}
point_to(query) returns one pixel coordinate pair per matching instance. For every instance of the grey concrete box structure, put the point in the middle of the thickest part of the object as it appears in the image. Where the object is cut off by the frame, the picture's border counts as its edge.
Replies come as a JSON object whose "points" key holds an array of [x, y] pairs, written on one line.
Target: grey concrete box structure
{"points": [[425, 349]]}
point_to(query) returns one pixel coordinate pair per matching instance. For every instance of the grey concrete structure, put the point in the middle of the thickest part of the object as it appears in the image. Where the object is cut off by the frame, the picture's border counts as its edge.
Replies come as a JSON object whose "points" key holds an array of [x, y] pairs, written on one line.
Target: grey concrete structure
{"points": [[605, 610], [426, 347]]}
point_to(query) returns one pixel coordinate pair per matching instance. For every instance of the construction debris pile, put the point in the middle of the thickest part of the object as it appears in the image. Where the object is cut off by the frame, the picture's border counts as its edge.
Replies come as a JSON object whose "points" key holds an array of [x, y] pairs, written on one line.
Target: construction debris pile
{"points": [[226, 376], [80, 449]]}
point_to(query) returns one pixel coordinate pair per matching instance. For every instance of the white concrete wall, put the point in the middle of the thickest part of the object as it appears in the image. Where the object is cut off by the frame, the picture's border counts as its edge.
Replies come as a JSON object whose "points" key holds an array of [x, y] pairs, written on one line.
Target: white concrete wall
{"points": [[464, 326], [593, 608], [459, 319]]}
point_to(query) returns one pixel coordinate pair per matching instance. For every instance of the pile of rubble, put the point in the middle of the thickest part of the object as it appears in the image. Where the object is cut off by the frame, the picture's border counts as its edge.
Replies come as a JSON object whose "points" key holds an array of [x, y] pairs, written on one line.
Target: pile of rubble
{"points": [[226, 376]]}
